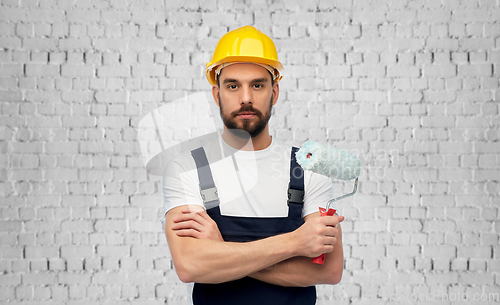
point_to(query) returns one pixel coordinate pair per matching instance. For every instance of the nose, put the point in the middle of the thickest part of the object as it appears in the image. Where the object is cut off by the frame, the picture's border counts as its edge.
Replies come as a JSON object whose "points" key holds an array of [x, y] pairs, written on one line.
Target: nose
{"points": [[246, 96]]}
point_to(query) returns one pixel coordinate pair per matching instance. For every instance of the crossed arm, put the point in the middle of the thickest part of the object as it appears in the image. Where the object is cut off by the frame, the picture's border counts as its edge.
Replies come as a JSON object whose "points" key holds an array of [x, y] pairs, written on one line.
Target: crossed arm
{"points": [[201, 255]]}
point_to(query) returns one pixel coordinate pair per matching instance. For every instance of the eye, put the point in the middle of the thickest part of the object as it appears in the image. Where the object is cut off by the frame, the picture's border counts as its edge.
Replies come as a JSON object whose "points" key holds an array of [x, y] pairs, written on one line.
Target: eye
{"points": [[258, 86], [232, 87]]}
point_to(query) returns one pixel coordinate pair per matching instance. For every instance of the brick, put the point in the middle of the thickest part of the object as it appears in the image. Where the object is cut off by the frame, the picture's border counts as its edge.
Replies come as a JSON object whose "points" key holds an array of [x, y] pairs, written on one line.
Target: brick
{"points": [[372, 70], [71, 251], [78, 121], [149, 44], [149, 251], [77, 70], [150, 71], [369, 121], [370, 44], [369, 16], [438, 279], [403, 71], [76, 226], [148, 16], [13, 14], [41, 70], [471, 15], [485, 147], [183, 71], [11, 70], [434, 16], [481, 70], [40, 44], [71, 278], [61, 174], [106, 44], [10, 96], [61, 148], [404, 225], [486, 174], [403, 251], [475, 44], [112, 97], [333, 71], [111, 225], [103, 278], [46, 15], [441, 251], [80, 201], [477, 279], [412, 278], [405, 96], [84, 16], [439, 70], [42, 278], [116, 16], [401, 16], [442, 44], [26, 175], [41, 252], [113, 71], [438, 226], [404, 122]]}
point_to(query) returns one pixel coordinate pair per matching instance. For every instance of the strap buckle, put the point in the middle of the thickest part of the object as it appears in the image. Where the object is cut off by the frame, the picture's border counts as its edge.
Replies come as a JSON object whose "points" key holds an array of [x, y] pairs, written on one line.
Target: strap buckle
{"points": [[295, 196], [209, 195]]}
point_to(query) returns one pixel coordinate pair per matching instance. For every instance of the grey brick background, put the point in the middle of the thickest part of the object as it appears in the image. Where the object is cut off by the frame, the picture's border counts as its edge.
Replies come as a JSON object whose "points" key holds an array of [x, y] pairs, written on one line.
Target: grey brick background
{"points": [[411, 87]]}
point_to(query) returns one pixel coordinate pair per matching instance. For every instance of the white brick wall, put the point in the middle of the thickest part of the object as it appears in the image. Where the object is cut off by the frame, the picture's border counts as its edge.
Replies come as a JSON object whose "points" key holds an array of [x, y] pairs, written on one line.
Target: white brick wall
{"points": [[411, 87]]}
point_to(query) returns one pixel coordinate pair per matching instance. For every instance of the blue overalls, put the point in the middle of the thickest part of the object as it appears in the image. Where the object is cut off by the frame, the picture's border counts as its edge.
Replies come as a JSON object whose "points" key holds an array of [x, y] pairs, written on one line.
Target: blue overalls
{"points": [[244, 229]]}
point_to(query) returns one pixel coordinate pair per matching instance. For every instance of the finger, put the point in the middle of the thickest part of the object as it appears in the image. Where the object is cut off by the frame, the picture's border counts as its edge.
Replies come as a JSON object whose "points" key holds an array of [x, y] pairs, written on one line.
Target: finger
{"points": [[330, 241], [187, 225], [187, 217], [330, 221], [331, 231], [188, 233], [204, 215], [328, 248]]}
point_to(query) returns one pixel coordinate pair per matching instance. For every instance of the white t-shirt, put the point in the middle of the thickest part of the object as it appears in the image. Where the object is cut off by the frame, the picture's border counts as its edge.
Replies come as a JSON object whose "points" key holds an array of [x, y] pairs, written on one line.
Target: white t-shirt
{"points": [[249, 183]]}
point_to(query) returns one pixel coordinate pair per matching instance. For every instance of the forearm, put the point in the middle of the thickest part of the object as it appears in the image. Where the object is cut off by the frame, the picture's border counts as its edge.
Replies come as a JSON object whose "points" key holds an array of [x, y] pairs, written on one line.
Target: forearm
{"points": [[298, 272], [200, 255], [301, 271], [212, 261]]}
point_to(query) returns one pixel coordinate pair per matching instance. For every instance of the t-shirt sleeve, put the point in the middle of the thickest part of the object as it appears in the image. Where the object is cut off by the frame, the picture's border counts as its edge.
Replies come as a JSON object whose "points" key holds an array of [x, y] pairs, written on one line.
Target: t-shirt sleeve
{"points": [[318, 191], [180, 187]]}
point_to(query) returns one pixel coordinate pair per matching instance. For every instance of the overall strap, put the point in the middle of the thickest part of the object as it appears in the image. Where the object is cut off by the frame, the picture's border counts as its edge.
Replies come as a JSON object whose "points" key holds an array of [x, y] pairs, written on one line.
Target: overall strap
{"points": [[208, 190], [296, 186]]}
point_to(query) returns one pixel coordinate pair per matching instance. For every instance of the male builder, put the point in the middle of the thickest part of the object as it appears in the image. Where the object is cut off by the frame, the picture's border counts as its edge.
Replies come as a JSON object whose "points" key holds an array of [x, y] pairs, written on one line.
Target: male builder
{"points": [[242, 218]]}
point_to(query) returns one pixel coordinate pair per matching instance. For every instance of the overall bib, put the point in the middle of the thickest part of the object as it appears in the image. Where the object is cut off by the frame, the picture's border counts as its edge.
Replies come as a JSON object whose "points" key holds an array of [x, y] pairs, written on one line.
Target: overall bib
{"points": [[244, 229]]}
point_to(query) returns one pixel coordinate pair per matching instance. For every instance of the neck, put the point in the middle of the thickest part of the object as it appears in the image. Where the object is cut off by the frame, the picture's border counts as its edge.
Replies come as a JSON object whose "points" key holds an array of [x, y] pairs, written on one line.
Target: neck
{"points": [[260, 142]]}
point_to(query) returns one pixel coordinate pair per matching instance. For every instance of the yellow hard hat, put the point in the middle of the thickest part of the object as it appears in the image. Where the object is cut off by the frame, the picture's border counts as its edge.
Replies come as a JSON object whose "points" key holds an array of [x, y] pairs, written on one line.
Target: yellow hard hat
{"points": [[246, 44]]}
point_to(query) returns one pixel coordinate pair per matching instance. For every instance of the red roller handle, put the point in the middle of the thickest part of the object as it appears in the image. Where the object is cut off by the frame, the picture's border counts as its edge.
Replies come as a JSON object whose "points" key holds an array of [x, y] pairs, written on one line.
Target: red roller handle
{"points": [[321, 259]]}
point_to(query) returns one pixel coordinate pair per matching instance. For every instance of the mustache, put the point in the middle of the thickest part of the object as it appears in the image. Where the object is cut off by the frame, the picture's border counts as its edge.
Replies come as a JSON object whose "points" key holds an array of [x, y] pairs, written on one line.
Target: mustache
{"points": [[247, 108]]}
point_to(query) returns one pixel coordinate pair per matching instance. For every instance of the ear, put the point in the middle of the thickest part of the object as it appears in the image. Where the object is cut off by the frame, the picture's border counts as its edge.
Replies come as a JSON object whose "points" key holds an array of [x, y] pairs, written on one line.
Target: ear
{"points": [[215, 94], [276, 93]]}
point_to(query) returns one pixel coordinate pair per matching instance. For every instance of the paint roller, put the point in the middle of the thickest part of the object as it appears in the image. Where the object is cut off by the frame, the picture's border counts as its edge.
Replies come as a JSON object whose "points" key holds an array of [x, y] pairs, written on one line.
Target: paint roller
{"points": [[332, 162]]}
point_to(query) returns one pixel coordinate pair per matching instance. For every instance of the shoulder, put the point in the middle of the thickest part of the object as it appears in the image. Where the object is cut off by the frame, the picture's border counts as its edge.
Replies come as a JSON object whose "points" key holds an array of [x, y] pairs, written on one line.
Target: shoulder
{"points": [[185, 162]]}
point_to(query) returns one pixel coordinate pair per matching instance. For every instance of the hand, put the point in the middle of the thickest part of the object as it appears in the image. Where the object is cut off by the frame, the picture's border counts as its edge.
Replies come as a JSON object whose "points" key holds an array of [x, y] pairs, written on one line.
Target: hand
{"points": [[197, 224], [317, 235]]}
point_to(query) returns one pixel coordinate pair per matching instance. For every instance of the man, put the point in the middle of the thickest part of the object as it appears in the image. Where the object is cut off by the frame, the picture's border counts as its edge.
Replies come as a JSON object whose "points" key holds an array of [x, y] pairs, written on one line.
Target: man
{"points": [[255, 242]]}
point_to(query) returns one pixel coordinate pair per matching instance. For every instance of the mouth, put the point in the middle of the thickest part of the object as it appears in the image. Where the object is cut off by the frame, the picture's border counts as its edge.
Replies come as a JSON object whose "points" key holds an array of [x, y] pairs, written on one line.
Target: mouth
{"points": [[246, 115]]}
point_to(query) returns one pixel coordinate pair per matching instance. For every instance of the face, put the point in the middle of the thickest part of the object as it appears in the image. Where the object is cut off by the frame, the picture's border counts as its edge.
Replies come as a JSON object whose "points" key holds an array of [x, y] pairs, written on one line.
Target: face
{"points": [[245, 97]]}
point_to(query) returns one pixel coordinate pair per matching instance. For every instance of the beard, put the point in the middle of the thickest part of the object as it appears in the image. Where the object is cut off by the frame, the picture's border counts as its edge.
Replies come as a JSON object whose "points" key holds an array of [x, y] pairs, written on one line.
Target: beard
{"points": [[246, 128]]}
